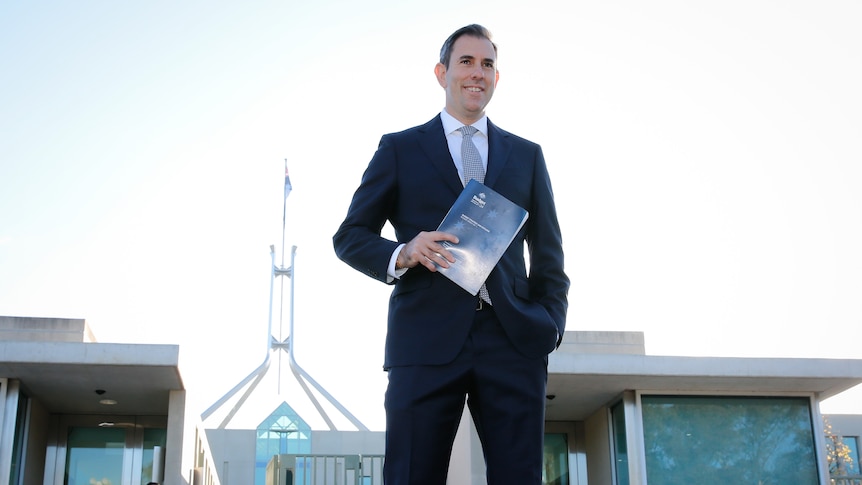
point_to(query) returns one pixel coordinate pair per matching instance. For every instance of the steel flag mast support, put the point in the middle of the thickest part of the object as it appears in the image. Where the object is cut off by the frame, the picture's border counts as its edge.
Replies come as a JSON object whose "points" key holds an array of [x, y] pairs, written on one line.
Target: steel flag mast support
{"points": [[279, 345]]}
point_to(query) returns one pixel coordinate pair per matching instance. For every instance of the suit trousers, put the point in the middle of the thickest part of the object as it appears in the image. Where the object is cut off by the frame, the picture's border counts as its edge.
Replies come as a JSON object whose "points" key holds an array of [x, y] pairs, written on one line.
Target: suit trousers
{"points": [[505, 393]]}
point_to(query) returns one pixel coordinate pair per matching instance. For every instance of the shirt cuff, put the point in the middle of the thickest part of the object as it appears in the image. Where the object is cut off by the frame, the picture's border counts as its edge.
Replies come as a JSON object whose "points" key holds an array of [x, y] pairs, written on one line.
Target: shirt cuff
{"points": [[391, 271]]}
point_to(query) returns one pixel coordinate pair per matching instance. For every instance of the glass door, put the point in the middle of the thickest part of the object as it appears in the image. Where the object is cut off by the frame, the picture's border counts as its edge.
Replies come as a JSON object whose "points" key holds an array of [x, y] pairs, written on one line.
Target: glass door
{"points": [[108, 450], [95, 456]]}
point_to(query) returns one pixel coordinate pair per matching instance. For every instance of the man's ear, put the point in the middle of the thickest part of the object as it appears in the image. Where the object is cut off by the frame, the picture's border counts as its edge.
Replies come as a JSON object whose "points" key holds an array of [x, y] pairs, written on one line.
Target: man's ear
{"points": [[440, 72]]}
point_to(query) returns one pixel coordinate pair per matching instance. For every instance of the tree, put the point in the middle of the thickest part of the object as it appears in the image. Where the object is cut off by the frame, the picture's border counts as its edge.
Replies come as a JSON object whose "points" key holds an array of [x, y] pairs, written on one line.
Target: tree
{"points": [[838, 457]]}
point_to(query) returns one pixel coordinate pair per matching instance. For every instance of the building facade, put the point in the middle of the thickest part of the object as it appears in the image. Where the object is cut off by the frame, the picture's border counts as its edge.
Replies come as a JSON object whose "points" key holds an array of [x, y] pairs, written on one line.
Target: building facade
{"points": [[74, 411], [618, 416]]}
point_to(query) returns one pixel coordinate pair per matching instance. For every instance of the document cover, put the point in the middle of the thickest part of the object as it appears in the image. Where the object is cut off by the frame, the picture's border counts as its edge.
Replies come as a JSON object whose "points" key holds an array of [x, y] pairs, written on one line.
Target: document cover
{"points": [[485, 223]]}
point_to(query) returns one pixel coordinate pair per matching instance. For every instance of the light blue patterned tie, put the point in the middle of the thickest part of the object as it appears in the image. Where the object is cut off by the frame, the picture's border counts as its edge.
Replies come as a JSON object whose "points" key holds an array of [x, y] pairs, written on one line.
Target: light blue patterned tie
{"points": [[471, 164], [471, 161]]}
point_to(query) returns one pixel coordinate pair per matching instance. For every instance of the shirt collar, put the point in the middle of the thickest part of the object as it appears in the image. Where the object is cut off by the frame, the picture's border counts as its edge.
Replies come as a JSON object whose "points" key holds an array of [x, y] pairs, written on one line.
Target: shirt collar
{"points": [[450, 124]]}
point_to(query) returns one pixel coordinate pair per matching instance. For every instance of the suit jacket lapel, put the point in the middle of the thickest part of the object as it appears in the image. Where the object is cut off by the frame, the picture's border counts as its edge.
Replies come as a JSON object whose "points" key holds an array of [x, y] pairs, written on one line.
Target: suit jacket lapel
{"points": [[499, 148], [436, 148]]}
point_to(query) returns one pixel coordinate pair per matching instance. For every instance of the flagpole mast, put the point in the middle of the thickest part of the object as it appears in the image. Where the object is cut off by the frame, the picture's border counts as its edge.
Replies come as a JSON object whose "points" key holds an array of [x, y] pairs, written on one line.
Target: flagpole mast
{"points": [[288, 187], [286, 344]]}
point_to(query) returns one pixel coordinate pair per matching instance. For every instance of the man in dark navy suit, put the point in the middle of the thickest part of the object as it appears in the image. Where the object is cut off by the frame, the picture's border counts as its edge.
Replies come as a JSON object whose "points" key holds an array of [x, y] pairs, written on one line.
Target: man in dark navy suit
{"points": [[443, 344]]}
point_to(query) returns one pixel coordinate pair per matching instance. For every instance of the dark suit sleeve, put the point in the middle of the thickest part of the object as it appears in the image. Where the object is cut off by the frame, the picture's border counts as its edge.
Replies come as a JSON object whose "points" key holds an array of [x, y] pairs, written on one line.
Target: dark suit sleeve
{"points": [[358, 241], [549, 284]]}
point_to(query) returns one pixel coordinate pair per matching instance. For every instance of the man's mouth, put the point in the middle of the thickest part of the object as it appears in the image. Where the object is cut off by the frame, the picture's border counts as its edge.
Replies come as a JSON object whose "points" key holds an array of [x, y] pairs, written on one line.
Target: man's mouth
{"points": [[474, 89]]}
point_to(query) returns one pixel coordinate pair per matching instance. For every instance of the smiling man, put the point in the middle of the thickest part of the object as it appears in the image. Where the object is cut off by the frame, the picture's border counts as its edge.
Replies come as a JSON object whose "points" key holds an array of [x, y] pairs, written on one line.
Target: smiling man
{"points": [[444, 345], [470, 78]]}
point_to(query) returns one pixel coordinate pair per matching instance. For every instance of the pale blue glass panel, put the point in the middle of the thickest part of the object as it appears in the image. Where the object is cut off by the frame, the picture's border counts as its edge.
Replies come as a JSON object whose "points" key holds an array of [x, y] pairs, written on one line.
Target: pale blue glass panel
{"points": [[556, 460], [282, 432], [152, 437], [621, 456], [94, 456], [852, 442], [728, 440]]}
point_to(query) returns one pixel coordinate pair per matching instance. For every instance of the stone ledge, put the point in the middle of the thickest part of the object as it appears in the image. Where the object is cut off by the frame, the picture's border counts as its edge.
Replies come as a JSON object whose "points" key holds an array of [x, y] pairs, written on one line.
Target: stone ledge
{"points": [[36, 329]]}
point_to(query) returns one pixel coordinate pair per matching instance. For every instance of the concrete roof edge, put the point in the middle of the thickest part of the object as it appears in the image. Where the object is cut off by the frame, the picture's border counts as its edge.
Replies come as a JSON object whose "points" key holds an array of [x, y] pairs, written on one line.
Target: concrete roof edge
{"points": [[623, 364], [90, 353]]}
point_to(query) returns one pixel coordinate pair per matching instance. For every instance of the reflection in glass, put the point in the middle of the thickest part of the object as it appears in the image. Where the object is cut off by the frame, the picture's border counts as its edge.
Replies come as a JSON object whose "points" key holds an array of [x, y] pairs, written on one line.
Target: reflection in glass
{"points": [[21, 420], [152, 437], [94, 456], [853, 446], [556, 462], [621, 456], [282, 432], [728, 440]]}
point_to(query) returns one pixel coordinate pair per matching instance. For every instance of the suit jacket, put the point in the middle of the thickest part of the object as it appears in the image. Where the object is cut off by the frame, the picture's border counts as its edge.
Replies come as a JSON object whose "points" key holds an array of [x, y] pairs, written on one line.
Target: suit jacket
{"points": [[412, 182]]}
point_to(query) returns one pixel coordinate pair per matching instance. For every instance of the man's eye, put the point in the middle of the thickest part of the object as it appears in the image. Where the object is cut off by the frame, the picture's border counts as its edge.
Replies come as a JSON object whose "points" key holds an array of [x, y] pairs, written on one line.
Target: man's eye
{"points": [[489, 65]]}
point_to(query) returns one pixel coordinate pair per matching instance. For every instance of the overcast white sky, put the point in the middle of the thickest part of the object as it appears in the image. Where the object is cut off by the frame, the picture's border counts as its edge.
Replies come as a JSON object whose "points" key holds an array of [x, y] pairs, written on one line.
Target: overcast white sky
{"points": [[706, 158]]}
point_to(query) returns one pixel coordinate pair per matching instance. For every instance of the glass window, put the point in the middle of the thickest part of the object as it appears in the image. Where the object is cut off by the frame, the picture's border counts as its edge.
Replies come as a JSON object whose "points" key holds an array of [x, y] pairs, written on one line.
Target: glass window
{"points": [[852, 443], [556, 461], [282, 432], [621, 457], [152, 437], [721, 440], [20, 440], [94, 456]]}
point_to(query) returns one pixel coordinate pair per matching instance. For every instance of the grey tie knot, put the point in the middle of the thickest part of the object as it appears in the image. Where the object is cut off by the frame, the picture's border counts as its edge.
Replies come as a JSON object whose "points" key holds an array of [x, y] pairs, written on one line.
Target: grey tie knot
{"points": [[467, 130]]}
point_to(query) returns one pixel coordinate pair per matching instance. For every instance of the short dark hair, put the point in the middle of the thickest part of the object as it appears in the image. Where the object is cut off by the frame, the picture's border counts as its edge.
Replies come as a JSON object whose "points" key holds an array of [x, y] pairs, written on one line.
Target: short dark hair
{"points": [[474, 30]]}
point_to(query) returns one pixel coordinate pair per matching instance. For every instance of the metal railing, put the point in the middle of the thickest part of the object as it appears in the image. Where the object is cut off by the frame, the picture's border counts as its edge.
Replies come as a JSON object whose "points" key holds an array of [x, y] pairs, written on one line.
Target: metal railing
{"points": [[325, 470], [203, 471], [846, 480]]}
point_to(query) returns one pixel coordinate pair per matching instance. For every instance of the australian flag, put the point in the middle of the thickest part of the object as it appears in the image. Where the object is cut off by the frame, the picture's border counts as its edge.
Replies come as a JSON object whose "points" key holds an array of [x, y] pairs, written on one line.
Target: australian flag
{"points": [[287, 189], [287, 186]]}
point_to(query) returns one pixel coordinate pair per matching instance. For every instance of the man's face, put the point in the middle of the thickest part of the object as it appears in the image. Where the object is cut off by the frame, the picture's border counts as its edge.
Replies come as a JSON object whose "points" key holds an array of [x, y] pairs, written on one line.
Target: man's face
{"points": [[470, 78]]}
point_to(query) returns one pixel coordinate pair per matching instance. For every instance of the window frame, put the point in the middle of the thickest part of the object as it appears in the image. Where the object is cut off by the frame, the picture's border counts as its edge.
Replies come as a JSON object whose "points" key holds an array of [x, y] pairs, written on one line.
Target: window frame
{"points": [[576, 453], [813, 414]]}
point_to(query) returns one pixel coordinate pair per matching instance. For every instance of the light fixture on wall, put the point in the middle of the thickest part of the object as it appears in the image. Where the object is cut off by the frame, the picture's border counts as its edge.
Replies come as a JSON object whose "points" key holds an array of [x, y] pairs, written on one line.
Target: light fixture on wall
{"points": [[106, 401]]}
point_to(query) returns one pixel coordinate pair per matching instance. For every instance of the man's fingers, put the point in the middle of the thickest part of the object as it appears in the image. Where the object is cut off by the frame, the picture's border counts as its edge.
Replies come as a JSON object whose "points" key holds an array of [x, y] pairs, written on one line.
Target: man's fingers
{"points": [[426, 249]]}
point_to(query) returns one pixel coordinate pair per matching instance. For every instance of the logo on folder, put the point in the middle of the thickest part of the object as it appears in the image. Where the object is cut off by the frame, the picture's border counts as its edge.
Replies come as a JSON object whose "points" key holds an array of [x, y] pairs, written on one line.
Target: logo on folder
{"points": [[479, 200]]}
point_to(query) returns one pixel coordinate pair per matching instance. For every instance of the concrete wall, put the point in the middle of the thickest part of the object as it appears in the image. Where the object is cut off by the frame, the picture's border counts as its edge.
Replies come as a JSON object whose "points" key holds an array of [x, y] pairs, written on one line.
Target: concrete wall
{"points": [[34, 329], [174, 468], [233, 454], [348, 442], [233, 450], [598, 448], [33, 470], [602, 342], [37, 443], [846, 424]]}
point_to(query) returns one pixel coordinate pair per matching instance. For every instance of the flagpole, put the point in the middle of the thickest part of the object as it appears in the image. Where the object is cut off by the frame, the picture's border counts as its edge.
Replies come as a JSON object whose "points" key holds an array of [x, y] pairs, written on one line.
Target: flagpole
{"points": [[287, 189], [286, 344]]}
